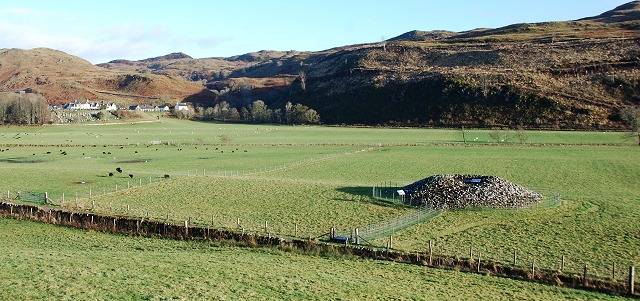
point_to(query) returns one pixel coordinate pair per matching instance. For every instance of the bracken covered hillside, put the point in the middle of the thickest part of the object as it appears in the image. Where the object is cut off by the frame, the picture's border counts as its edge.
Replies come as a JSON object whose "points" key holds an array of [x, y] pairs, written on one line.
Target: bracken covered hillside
{"points": [[573, 74], [61, 77], [576, 74]]}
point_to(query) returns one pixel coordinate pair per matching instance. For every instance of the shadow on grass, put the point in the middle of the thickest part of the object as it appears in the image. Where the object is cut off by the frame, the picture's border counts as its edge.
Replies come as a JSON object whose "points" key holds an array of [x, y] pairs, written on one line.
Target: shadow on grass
{"points": [[364, 195]]}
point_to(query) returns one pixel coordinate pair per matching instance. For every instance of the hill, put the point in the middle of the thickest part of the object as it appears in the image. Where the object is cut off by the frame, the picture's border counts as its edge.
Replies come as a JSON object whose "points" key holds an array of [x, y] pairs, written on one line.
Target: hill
{"points": [[61, 77], [570, 74], [623, 13], [574, 74]]}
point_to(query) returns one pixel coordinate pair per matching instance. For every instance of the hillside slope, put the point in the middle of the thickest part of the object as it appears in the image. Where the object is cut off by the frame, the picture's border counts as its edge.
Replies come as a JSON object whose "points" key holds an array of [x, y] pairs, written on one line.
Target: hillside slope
{"points": [[575, 74], [572, 74], [61, 77]]}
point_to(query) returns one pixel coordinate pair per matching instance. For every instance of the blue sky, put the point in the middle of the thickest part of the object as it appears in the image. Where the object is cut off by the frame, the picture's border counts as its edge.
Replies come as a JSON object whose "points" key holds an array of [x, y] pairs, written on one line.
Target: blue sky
{"points": [[104, 30]]}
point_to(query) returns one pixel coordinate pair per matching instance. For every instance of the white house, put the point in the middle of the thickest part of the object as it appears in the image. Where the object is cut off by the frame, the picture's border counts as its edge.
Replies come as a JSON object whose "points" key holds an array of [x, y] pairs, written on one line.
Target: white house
{"points": [[180, 106], [111, 107], [77, 105]]}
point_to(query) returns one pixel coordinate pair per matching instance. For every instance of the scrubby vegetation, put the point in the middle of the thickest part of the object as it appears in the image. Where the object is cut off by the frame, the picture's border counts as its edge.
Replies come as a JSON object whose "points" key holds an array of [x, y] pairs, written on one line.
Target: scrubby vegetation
{"points": [[23, 108], [259, 112]]}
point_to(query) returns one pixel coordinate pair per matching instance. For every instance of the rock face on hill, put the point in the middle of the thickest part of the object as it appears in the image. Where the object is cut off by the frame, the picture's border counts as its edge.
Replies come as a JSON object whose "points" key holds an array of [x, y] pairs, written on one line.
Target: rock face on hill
{"points": [[468, 191]]}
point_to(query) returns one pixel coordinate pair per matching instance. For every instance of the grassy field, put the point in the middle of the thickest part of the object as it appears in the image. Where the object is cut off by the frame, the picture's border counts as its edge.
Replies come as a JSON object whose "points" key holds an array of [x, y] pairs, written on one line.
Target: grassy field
{"points": [[177, 131], [40, 261], [321, 177]]}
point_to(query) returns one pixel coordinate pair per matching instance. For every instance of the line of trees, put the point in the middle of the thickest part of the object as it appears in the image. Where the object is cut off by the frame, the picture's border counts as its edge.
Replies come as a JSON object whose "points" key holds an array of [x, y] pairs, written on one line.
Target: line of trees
{"points": [[259, 112], [23, 108]]}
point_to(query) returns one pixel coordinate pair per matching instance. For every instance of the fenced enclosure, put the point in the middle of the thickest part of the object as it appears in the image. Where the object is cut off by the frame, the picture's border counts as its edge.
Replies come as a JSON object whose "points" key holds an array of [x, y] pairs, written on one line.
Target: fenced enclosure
{"points": [[474, 263]]}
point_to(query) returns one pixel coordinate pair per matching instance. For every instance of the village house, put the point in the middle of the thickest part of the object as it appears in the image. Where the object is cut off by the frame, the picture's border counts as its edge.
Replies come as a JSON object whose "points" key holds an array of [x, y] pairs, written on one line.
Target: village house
{"points": [[111, 107], [77, 105], [181, 106]]}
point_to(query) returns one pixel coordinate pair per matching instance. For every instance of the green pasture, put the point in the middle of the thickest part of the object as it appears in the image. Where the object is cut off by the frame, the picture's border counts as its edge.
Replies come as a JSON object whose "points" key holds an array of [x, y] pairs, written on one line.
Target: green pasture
{"points": [[318, 177], [178, 131], [39, 261]]}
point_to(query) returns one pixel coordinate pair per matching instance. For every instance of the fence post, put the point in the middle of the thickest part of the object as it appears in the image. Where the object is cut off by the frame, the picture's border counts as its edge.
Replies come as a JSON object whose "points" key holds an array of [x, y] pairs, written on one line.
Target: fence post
{"points": [[584, 276], [515, 257], [46, 197], [479, 261], [471, 253], [89, 192], [430, 252], [533, 268], [186, 229], [266, 226], [631, 282], [332, 233], [357, 236], [562, 264], [390, 242], [613, 270], [62, 198]]}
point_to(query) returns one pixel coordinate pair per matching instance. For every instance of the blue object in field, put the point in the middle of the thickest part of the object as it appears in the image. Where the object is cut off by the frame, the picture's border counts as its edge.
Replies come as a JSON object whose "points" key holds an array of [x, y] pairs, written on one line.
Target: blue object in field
{"points": [[341, 239], [473, 181]]}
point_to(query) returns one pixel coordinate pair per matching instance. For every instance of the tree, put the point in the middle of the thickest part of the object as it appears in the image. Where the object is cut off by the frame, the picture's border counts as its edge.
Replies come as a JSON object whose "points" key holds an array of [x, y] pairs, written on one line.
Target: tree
{"points": [[288, 109], [302, 76], [23, 108], [259, 112], [234, 114], [631, 116], [311, 117], [301, 114], [245, 115]]}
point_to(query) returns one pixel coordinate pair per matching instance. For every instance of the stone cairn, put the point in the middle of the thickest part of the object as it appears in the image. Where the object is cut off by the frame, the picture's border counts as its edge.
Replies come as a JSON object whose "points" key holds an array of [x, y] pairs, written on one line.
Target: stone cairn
{"points": [[468, 191]]}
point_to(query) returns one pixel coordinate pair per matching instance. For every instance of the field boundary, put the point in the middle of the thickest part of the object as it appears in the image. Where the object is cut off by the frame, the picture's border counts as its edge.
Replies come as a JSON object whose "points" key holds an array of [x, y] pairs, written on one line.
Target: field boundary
{"points": [[164, 229]]}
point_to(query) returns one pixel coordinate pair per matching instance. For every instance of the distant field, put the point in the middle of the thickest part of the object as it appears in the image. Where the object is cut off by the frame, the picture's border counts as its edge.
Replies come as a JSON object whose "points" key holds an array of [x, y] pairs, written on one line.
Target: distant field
{"points": [[40, 261], [321, 177], [177, 131]]}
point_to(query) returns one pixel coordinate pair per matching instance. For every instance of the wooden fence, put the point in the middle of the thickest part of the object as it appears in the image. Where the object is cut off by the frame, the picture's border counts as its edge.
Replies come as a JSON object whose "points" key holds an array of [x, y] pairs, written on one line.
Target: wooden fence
{"points": [[185, 231]]}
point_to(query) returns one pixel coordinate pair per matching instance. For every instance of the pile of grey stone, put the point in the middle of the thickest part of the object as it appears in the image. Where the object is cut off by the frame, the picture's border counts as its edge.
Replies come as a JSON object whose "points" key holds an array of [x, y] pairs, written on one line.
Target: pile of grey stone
{"points": [[445, 192]]}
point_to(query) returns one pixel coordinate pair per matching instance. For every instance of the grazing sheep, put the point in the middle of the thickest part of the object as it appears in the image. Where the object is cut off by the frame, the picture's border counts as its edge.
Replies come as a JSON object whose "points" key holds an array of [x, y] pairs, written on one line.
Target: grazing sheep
{"points": [[166, 176], [111, 174], [119, 170], [131, 176], [136, 152]]}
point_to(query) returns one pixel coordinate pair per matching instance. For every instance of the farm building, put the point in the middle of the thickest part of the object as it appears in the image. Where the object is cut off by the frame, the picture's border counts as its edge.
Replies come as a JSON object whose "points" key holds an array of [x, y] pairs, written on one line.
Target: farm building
{"points": [[77, 105], [181, 106], [111, 106]]}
